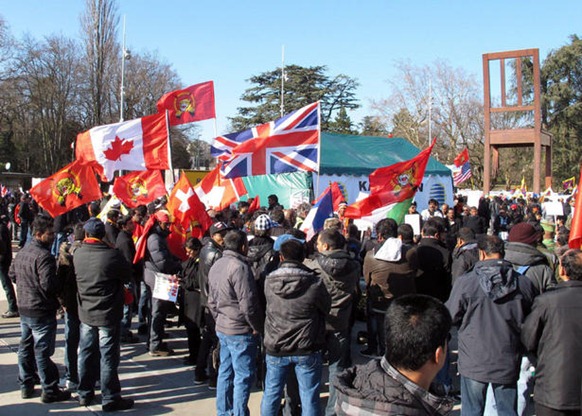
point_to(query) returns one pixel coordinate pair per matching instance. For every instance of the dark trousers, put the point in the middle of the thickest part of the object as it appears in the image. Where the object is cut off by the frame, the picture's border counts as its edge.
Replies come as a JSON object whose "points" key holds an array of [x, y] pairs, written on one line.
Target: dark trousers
{"points": [[9, 289], [542, 410], [193, 334], [208, 344]]}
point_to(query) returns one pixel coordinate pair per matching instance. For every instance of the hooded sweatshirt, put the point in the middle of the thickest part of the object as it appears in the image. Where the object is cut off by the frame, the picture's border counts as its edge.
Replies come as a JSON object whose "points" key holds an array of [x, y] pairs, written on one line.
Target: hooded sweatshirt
{"points": [[489, 304], [297, 303]]}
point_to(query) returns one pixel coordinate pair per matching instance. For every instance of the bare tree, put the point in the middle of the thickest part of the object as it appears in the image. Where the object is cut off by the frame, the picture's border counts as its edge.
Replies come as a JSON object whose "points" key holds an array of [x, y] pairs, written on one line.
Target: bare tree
{"points": [[99, 32]]}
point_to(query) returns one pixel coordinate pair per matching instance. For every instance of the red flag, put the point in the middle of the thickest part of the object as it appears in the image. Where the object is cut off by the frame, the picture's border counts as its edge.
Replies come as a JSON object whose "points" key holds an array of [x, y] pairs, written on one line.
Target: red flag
{"points": [[255, 205], [390, 185], [217, 192], [70, 187], [140, 144], [139, 188], [462, 158], [185, 206], [193, 103], [575, 240], [337, 195], [176, 241]]}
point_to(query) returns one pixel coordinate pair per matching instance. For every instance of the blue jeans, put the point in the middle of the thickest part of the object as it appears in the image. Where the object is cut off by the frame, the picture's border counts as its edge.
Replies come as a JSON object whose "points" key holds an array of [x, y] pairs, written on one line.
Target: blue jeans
{"points": [[160, 310], [144, 307], [340, 358], [524, 389], [128, 312], [37, 345], [473, 395], [99, 341], [72, 337], [238, 361], [308, 371]]}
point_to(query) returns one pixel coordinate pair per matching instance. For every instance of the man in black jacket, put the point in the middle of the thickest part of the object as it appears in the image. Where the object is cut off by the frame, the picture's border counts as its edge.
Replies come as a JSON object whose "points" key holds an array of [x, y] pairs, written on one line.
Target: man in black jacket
{"points": [[489, 305], [126, 247], [101, 272], [34, 272], [297, 303], [340, 274], [552, 332]]}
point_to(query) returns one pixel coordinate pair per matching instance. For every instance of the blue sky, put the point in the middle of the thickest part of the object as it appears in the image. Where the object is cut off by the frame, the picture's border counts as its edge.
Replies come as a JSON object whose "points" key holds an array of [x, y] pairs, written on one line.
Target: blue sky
{"points": [[229, 41]]}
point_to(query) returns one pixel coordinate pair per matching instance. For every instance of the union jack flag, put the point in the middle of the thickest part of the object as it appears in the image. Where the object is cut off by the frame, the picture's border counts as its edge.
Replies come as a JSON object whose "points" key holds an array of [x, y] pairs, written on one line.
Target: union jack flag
{"points": [[288, 144]]}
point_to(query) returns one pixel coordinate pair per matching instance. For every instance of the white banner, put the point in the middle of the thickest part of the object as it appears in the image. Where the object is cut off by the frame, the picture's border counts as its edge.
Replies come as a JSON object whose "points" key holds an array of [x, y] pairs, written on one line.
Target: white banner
{"points": [[166, 287]]}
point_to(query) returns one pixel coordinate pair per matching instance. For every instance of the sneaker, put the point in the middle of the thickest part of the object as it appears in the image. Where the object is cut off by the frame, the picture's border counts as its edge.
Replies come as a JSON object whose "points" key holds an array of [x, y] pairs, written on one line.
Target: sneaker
{"points": [[198, 380], [189, 361], [369, 352], [10, 314], [212, 384], [119, 404], [162, 352], [56, 396], [27, 392], [87, 400]]}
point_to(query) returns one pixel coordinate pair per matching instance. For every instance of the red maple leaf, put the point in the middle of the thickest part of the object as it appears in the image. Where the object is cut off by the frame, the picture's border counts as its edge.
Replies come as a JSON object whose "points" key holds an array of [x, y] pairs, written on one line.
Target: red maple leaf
{"points": [[118, 148]]}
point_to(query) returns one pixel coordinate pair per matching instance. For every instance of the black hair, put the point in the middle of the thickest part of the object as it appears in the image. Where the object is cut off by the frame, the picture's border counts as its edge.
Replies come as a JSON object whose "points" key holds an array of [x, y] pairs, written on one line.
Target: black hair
{"points": [[277, 215], [42, 223], [492, 244], [406, 232], [124, 220], [235, 240], [292, 250], [242, 204], [113, 214], [274, 198], [193, 243], [416, 325], [432, 227], [571, 262], [333, 238], [466, 234], [387, 228], [79, 231]]}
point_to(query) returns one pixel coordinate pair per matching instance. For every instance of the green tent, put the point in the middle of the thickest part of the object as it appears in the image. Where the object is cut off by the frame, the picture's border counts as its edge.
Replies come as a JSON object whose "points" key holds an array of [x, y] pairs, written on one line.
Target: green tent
{"points": [[344, 154]]}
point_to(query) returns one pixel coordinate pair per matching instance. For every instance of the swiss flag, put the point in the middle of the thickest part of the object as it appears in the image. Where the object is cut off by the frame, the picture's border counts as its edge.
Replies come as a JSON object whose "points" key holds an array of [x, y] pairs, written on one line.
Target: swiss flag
{"points": [[140, 144], [193, 103], [139, 188], [185, 206], [69, 188], [217, 192]]}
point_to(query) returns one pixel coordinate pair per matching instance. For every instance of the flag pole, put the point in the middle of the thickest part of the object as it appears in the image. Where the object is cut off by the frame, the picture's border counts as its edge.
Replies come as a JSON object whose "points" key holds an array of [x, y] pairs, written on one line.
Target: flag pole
{"points": [[282, 80], [319, 146], [170, 148]]}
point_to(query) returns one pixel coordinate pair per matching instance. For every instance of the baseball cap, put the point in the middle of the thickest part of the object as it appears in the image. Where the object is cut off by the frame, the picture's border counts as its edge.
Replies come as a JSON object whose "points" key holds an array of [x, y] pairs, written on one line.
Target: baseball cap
{"points": [[283, 239], [218, 227]]}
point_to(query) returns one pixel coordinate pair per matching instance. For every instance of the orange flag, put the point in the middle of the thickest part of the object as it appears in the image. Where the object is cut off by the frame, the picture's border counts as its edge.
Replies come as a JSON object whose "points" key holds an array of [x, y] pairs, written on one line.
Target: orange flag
{"points": [[72, 186], [185, 206], [193, 103], [139, 188], [176, 241], [575, 240]]}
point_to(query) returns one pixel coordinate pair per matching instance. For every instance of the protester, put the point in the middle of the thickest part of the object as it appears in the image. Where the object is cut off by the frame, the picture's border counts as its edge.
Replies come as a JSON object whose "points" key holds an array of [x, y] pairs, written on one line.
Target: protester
{"points": [[465, 254], [190, 308], [5, 262], [233, 302], [432, 210], [417, 330], [34, 272]]}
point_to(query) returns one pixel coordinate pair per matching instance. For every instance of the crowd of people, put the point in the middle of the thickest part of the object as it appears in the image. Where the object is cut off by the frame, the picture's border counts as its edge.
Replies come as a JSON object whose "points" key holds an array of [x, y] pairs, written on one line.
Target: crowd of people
{"points": [[264, 306]]}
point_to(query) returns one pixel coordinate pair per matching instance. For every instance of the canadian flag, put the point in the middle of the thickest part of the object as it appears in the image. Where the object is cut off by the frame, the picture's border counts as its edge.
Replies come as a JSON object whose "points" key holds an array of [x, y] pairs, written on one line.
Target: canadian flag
{"points": [[185, 206], [139, 144], [217, 192]]}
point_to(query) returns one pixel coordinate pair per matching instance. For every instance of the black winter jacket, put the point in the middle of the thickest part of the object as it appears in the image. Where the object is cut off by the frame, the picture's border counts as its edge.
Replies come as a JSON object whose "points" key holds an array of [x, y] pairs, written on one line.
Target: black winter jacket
{"points": [[464, 258], [553, 331], [158, 257], [340, 273], [209, 254], [34, 270], [434, 269], [489, 305], [297, 303], [538, 271], [101, 272]]}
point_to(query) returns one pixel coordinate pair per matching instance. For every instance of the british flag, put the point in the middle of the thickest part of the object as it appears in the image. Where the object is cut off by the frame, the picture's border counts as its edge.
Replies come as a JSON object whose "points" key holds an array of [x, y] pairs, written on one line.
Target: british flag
{"points": [[288, 144]]}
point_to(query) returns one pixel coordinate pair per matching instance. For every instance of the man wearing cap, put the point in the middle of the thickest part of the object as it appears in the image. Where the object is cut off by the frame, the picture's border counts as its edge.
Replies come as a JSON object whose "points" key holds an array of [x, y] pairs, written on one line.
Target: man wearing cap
{"points": [[209, 254], [101, 272], [261, 251], [158, 258]]}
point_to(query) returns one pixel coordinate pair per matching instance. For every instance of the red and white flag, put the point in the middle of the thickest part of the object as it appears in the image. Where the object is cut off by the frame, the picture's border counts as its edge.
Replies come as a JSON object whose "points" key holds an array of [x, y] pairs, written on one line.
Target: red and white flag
{"points": [[193, 103], [139, 188], [185, 206], [217, 192], [140, 144]]}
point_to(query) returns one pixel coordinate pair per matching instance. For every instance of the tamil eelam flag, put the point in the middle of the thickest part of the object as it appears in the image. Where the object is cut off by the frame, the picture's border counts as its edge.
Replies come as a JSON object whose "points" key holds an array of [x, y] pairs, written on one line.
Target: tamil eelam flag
{"points": [[391, 188], [139, 188], [69, 188], [193, 103], [140, 144], [288, 144], [462, 158]]}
